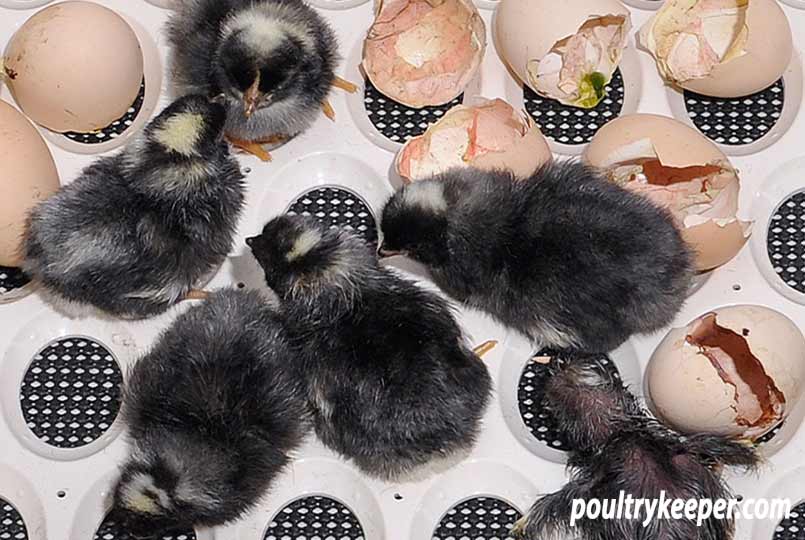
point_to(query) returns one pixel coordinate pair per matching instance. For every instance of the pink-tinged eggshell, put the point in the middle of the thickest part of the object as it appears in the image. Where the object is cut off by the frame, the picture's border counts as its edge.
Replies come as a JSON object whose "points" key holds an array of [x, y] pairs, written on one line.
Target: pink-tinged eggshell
{"points": [[27, 176], [420, 54], [488, 135], [74, 66], [711, 226]]}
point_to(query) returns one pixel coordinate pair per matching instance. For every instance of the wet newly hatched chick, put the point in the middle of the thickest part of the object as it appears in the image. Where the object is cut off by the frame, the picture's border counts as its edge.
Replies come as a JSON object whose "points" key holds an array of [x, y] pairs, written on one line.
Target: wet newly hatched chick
{"points": [[565, 257], [271, 61], [213, 412], [392, 383], [618, 447], [135, 232]]}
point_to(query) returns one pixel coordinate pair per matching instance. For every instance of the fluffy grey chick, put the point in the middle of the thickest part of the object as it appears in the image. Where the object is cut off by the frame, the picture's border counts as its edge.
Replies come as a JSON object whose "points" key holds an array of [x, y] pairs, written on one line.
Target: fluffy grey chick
{"points": [[565, 257], [391, 382], [135, 232], [272, 62], [213, 412], [618, 447]]}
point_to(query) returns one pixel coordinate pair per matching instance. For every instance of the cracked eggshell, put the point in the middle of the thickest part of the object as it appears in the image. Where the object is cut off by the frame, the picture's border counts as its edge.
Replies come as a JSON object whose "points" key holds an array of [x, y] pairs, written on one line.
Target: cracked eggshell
{"points": [[27, 176], [424, 52], [527, 30], [711, 228], [756, 65], [488, 135], [74, 66], [687, 392]]}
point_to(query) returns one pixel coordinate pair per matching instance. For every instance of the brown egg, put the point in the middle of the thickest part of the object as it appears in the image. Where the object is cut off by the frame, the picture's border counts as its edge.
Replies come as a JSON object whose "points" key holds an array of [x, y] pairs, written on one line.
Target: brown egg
{"points": [[74, 66], [487, 135], [735, 371], [728, 48], [27, 177], [679, 169], [424, 52], [566, 50]]}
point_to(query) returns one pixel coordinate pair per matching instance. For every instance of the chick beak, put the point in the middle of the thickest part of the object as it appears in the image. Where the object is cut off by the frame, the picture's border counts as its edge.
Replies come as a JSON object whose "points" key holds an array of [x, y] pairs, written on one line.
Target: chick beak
{"points": [[252, 97], [250, 241], [383, 252]]}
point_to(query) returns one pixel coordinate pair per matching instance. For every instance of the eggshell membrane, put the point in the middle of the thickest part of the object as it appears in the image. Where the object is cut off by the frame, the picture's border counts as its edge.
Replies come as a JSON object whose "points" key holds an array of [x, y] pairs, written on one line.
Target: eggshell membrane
{"points": [[527, 29], [518, 144], [27, 176], [77, 66], [686, 390], [768, 51], [450, 38], [676, 145]]}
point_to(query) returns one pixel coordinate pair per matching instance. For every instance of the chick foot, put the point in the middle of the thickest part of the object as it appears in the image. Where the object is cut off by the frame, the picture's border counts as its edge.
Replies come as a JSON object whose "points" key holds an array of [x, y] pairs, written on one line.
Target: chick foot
{"points": [[484, 348], [345, 85], [250, 147], [196, 294], [327, 109]]}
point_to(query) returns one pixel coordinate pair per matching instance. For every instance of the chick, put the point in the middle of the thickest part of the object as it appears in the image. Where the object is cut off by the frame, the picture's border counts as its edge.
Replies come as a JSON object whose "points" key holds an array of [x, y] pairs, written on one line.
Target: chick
{"points": [[565, 257], [271, 61], [213, 412], [390, 380], [619, 447], [135, 232]]}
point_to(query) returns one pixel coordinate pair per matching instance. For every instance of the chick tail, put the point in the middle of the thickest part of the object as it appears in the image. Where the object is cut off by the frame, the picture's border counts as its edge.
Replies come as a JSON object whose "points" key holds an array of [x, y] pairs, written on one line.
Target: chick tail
{"points": [[250, 147], [484, 348], [345, 85]]}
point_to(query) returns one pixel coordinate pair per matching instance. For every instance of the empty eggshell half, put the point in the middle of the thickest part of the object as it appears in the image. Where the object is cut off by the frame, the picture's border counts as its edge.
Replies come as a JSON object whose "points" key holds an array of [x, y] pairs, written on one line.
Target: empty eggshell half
{"points": [[721, 48], [27, 176], [487, 135], [74, 66], [735, 371], [681, 170], [421, 53], [564, 50]]}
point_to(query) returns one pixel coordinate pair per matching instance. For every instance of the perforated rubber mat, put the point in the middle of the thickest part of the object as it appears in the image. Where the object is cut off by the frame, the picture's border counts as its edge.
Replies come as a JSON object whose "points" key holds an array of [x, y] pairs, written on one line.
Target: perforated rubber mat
{"points": [[10, 279], [531, 398], [792, 527], [398, 122], [116, 128], [786, 241], [315, 518], [737, 121], [481, 518], [11, 525], [70, 394], [338, 207], [572, 125], [111, 530]]}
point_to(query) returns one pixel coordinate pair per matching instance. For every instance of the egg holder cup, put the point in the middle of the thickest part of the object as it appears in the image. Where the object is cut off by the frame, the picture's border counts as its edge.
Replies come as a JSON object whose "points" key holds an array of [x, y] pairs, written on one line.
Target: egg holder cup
{"points": [[342, 172]]}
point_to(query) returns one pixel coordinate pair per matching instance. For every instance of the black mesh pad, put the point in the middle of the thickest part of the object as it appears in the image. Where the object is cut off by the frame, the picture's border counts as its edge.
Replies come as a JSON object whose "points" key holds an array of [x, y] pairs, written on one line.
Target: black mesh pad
{"points": [[338, 207], [11, 525], [116, 128], [786, 241], [320, 518], [792, 527], [111, 530], [480, 518], [10, 279]]}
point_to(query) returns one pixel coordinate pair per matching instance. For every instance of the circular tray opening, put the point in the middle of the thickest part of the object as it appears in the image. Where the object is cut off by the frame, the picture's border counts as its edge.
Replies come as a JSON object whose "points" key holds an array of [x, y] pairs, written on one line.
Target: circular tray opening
{"points": [[12, 527], [572, 125], [11, 279], [786, 241], [792, 527], [531, 397], [116, 128], [315, 517], [70, 395], [338, 207], [398, 122], [111, 530], [479, 518], [736, 121]]}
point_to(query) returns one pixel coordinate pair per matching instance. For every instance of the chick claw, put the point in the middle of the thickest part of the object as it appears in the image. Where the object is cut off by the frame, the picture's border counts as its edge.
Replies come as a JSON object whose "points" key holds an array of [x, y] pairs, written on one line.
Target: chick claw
{"points": [[327, 109], [484, 348], [196, 294], [250, 147]]}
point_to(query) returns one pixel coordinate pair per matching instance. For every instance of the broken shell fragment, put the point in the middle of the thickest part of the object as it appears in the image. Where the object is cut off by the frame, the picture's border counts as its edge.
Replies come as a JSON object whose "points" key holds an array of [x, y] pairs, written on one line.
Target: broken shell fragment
{"points": [[722, 48], [680, 170], [739, 368], [422, 53], [566, 51], [488, 135]]}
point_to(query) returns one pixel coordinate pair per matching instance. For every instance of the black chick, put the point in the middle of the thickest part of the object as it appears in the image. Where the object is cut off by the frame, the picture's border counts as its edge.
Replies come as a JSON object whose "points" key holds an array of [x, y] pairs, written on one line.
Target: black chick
{"points": [[213, 412], [271, 61], [565, 257], [135, 232], [618, 447], [390, 380]]}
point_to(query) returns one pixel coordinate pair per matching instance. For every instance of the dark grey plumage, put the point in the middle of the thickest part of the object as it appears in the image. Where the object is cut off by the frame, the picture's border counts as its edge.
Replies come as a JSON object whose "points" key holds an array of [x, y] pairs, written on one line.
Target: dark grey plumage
{"points": [[213, 411], [619, 447], [220, 46], [136, 231], [391, 382], [565, 257]]}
